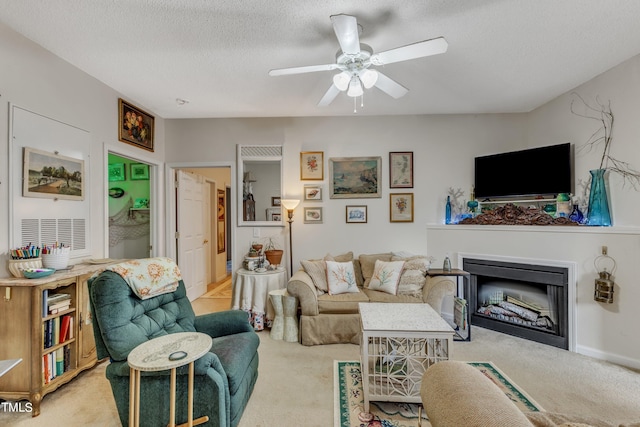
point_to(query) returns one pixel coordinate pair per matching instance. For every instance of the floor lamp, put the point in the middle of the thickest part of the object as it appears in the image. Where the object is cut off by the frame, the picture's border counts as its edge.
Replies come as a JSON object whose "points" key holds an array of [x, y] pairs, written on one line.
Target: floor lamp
{"points": [[290, 205]]}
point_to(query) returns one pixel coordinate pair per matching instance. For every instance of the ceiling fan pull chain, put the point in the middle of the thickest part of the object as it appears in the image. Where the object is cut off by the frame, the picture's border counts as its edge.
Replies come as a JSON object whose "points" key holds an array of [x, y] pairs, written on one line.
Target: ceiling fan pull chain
{"points": [[354, 105]]}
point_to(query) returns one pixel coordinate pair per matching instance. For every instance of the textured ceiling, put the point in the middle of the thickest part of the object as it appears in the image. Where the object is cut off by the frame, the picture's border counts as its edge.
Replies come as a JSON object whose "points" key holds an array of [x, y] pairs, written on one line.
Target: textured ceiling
{"points": [[504, 55]]}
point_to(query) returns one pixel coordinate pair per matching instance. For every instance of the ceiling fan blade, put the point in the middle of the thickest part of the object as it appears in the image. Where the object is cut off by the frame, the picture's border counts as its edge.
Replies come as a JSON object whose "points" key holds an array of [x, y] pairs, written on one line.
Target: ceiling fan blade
{"points": [[346, 29], [300, 70], [411, 51], [329, 96], [390, 87]]}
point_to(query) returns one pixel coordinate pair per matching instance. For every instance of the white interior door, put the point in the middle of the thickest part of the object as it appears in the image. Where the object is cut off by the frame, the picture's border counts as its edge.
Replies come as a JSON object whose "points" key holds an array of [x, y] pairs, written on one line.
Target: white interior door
{"points": [[191, 238]]}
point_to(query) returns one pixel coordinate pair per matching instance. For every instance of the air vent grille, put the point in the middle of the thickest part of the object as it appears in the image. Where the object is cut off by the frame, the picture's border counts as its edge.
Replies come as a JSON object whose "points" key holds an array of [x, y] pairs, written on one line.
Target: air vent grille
{"points": [[261, 151], [48, 231]]}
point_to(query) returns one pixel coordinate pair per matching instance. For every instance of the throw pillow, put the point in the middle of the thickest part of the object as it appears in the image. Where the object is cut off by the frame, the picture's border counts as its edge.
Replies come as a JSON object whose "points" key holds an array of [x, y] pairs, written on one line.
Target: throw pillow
{"points": [[386, 276], [413, 276], [367, 264], [340, 277], [318, 273]]}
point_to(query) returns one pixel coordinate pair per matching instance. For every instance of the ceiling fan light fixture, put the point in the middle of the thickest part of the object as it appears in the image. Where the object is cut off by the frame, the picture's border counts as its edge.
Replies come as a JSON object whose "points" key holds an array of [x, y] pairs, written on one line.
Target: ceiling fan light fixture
{"points": [[355, 87], [369, 78], [342, 80]]}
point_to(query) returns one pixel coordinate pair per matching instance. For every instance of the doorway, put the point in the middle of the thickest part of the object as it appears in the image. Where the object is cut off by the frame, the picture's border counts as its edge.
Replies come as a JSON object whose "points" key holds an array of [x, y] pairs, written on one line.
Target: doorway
{"points": [[209, 254], [129, 186]]}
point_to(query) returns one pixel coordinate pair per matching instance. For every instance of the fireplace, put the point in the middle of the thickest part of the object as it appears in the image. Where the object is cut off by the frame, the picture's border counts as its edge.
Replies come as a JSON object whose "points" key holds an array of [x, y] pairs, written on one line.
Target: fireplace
{"points": [[525, 300]]}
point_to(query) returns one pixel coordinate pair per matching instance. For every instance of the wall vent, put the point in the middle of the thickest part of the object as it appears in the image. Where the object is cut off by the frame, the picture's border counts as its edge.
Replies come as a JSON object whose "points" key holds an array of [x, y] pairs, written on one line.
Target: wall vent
{"points": [[261, 151], [47, 231]]}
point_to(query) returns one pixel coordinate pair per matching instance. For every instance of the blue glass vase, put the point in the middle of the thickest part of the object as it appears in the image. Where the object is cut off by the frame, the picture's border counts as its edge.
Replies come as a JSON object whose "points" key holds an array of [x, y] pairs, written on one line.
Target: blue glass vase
{"points": [[598, 213], [576, 216]]}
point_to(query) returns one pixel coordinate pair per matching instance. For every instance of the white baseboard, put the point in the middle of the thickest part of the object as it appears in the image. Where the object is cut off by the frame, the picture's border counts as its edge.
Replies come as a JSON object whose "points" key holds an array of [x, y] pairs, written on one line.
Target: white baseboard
{"points": [[609, 357]]}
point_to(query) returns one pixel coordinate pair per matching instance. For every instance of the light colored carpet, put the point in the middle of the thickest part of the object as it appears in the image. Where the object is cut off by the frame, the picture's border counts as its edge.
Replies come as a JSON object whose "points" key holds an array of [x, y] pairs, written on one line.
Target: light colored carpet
{"points": [[295, 384]]}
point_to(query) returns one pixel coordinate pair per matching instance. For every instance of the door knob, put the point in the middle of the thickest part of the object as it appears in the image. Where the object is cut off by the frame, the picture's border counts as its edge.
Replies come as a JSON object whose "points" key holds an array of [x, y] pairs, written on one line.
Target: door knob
{"points": [[205, 241]]}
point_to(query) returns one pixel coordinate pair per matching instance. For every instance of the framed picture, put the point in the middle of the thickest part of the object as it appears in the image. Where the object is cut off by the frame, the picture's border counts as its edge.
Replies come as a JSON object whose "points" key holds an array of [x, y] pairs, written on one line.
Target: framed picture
{"points": [[312, 165], [313, 215], [139, 171], [401, 207], [276, 201], [312, 193], [52, 176], [356, 214], [401, 169], [221, 221], [135, 126], [117, 172], [355, 177], [273, 214]]}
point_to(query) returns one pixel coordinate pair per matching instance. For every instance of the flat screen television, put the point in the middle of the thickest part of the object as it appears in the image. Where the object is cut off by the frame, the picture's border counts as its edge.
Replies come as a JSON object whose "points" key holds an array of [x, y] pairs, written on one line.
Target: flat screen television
{"points": [[533, 172]]}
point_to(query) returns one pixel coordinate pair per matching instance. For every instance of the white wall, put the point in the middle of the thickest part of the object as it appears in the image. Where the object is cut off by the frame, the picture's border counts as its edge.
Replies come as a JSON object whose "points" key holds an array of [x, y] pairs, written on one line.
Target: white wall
{"points": [[443, 146], [35, 79]]}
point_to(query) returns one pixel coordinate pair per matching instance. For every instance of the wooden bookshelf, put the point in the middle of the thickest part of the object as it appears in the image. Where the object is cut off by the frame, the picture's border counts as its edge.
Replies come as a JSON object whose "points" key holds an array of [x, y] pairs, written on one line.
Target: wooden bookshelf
{"points": [[24, 319]]}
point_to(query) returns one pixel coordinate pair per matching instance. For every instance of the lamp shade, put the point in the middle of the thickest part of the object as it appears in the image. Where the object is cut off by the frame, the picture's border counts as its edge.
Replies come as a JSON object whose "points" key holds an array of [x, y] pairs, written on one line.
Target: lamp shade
{"points": [[290, 204], [249, 177], [342, 80], [369, 78], [355, 87]]}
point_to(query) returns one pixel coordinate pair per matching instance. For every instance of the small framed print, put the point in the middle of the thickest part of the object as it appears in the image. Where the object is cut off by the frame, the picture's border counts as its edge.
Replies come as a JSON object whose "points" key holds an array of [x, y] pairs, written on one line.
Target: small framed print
{"points": [[273, 214], [401, 207], [356, 214], [401, 169], [275, 201], [117, 172], [312, 165], [135, 126], [139, 171], [312, 193], [313, 215]]}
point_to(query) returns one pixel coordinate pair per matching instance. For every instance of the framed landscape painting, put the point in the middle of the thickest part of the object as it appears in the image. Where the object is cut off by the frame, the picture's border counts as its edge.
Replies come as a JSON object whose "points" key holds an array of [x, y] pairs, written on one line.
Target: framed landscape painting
{"points": [[312, 165], [401, 207], [52, 176], [356, 214], [135, 126], [139, 171], [401, 169], [355, 177]]}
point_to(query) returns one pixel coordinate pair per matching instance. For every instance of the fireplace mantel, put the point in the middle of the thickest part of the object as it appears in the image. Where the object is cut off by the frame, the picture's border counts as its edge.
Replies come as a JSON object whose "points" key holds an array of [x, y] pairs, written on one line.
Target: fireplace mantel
{"points": [[582, 229]]}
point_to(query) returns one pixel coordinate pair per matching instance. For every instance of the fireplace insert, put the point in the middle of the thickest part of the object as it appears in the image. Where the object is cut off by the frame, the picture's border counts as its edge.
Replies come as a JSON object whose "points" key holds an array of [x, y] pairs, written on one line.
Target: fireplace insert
{"points": [[524, 300]]}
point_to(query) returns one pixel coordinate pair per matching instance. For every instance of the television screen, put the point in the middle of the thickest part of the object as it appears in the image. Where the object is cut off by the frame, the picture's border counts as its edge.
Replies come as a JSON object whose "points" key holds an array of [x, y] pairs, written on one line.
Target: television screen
{"points": [[534, 172]]}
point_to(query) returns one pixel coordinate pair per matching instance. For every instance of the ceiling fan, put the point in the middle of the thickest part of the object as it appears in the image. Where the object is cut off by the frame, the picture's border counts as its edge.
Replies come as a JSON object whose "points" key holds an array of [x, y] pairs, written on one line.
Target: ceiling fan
{"points": [[354, 61]]}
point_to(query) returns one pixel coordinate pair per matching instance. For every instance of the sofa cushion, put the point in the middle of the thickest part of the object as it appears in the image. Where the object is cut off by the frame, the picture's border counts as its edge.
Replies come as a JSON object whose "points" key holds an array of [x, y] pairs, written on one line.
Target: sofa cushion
{"points": [[386, 276], [413, 276], [368, 263], [342, 303], [377, 296], [317, 270], [341, 277]]}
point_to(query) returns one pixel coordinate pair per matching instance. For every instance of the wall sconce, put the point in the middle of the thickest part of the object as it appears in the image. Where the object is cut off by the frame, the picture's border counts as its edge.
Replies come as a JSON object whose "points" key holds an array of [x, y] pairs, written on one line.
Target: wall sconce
{"points": [[604, 285]]}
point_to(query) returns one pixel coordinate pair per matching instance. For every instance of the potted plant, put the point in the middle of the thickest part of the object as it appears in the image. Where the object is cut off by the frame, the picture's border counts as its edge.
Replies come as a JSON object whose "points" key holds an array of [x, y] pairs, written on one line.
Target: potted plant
{"points": [[274, 255]]}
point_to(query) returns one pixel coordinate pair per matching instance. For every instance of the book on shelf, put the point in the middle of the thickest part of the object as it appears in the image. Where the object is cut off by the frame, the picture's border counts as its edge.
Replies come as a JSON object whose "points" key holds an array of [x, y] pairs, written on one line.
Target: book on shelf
{"points": [[56, 298], [45, 297], [59, 361], [64, 328], [59, 307]]}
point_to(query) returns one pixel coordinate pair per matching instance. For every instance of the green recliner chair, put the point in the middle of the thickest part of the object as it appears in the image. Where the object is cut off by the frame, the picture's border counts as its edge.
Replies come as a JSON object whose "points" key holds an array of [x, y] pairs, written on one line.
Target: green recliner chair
{"points": [[224, 377]]}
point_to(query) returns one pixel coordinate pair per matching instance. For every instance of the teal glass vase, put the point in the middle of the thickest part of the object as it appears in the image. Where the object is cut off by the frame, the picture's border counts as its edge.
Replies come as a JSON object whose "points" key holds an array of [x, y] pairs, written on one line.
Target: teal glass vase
{"points": [[598, 213]]}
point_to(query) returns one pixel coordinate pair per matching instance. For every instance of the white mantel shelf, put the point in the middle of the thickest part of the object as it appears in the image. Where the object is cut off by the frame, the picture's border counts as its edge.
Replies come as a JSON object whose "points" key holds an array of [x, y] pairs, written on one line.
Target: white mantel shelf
{"points": [[538, 228]]}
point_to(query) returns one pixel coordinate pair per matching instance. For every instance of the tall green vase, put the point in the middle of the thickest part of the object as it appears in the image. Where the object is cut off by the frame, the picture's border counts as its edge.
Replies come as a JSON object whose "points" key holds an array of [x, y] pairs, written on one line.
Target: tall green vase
{"points": [[598, 213]]}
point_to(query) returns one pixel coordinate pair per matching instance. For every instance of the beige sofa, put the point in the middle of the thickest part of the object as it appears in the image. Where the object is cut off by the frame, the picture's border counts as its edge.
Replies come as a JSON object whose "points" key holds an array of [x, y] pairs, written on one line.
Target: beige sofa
{"points": [[331, 319], [456, 394]]}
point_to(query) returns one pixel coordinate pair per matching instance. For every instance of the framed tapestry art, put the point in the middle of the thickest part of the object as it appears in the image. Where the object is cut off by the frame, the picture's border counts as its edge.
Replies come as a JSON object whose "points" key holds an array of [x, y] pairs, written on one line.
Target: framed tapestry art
{"points": [[401, 207], [52, 176], [401, 169], [135, 126], [355, 177], [222, 206], [312, 165], [117, 172]]}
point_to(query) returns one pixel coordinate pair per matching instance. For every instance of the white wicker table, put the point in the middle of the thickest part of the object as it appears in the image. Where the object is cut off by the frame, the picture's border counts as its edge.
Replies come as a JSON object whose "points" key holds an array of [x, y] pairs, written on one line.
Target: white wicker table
{"points": [[158, 354], [399, 342]]}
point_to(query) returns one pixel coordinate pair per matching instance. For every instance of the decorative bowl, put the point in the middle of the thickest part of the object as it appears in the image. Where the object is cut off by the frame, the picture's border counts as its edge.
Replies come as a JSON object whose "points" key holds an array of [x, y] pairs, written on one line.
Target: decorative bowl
{"points": [[37, 273]]}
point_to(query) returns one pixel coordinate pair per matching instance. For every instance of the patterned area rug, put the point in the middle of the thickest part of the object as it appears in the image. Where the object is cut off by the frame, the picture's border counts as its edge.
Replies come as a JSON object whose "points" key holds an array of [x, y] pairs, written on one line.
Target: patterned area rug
{"points": [[349, 398]]}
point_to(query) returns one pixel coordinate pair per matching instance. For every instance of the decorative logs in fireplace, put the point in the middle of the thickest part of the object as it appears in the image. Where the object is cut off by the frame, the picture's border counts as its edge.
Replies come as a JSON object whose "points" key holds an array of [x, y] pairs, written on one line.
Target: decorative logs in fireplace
{"points": [[510, 214]]}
